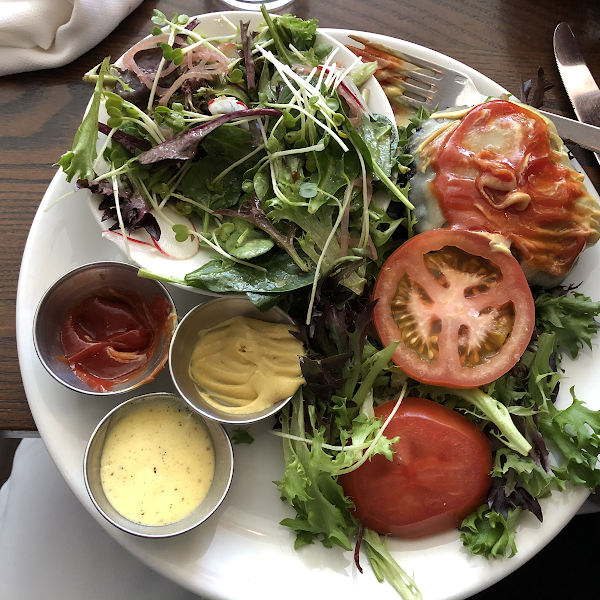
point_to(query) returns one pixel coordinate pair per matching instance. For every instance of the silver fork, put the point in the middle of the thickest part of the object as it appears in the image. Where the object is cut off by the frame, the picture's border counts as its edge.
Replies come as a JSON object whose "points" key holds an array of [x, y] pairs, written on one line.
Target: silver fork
{"points": [[419, 82], [429, 85]]}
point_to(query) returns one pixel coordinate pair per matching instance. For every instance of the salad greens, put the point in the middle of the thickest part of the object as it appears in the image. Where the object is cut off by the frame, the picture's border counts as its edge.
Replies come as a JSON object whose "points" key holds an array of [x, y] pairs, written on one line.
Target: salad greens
{"points": [[537, 447], [261, 136], [300, 192]]}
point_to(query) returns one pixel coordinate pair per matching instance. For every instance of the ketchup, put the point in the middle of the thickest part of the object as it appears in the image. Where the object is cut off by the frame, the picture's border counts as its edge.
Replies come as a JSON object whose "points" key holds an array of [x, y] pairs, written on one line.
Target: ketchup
{"points": [[110, 336]]}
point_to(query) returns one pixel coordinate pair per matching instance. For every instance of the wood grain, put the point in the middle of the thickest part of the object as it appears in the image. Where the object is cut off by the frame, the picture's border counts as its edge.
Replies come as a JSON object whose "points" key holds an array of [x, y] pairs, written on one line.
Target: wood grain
{"points": [[40, 112]]}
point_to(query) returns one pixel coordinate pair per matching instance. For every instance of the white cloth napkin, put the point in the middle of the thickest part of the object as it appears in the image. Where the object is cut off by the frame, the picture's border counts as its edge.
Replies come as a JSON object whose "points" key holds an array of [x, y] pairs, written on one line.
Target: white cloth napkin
{"points": [[43, 34], [52, 549]]}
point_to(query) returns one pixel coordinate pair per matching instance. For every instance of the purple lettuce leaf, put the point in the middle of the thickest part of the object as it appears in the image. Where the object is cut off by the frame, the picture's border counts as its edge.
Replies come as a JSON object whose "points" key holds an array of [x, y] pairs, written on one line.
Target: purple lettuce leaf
{"points": [[128, 141], [184, 145], [361, 531], [134, 210], [252, 212], [322, 375], [501, 498], [248, 61]]}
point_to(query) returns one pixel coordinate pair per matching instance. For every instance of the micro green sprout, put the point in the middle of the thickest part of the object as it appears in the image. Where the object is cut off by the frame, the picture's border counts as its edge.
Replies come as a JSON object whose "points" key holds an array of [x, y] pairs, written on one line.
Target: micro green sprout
{"points": [[174, 183], [309, 442], [333, 134], [365, 225], [115, 183], [178, 27], [104, 147], [238, 163], [190, 201], [128, 112], [124, 168], [167, 50], [342, 210]]}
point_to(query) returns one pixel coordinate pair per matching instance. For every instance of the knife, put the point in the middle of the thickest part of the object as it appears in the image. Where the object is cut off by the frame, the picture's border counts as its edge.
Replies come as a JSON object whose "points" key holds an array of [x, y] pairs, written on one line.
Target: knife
{"points": [[577, 79]]}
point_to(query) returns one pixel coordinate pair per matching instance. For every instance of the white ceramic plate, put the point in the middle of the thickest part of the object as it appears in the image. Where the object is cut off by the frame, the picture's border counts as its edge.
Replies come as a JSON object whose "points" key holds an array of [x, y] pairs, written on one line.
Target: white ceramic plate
{"points": [[242, 553], [214, 25]]}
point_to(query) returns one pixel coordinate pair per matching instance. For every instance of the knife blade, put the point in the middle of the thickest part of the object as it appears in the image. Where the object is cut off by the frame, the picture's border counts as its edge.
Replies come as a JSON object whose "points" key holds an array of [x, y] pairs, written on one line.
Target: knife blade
{"points": [[584, 135], [577, 78]]}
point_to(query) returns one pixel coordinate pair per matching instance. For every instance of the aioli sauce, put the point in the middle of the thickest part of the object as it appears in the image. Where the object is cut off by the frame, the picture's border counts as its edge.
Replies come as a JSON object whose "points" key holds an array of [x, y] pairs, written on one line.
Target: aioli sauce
{"points": [[110, 336], [157, 463], [245, 365]]}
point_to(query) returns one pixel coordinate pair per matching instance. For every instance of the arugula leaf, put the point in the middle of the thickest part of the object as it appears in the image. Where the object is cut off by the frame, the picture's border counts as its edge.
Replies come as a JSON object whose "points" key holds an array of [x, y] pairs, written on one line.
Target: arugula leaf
{"points": [[80, 159]]}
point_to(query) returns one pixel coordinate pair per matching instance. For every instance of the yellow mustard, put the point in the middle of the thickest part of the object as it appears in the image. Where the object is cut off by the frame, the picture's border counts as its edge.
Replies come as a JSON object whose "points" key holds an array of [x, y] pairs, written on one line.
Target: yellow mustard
{"points": [[245, 365]]}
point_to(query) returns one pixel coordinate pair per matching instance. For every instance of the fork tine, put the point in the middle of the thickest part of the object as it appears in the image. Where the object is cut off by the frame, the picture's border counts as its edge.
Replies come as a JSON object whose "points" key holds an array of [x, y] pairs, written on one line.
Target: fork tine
{"points": [[415, 89], [422, 77], [396, 67], [424, 64], [408, 100], [396, 96]]}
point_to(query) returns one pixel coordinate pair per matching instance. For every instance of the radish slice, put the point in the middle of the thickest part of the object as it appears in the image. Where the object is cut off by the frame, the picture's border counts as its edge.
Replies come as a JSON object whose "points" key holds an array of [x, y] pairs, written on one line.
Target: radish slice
{"points": [[167, 244], [138, 245]]}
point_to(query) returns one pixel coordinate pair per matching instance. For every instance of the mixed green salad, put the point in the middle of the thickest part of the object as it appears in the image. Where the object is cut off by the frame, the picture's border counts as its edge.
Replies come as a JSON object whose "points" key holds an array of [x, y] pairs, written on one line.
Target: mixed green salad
{"points": [[300, 192]]}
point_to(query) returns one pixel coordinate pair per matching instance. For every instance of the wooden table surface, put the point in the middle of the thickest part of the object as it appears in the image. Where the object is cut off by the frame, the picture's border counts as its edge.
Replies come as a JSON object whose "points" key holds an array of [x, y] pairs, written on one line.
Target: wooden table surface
{"points": [[40, 111]]}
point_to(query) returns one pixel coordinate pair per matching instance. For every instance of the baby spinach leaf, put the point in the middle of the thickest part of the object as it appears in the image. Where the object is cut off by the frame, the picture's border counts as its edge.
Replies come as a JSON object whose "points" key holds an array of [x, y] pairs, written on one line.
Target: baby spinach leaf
{"points": [[333, 166], [282, 275], [198, 183], [242, 240], [231, 142]]}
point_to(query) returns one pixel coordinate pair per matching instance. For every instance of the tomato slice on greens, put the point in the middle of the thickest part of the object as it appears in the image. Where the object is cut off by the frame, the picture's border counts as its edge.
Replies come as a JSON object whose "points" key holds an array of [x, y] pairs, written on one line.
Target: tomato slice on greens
{"points": [[464, 313], [440, 472]]}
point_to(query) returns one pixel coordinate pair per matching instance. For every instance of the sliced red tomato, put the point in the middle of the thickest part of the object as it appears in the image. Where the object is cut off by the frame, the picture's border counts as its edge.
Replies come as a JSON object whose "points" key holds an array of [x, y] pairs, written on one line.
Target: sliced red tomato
{"points": [[439, 475], [463, 313]]}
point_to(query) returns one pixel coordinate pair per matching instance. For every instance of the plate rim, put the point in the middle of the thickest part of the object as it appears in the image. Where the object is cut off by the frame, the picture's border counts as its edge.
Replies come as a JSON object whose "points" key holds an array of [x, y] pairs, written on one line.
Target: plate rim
{"points": [[140, 550]]}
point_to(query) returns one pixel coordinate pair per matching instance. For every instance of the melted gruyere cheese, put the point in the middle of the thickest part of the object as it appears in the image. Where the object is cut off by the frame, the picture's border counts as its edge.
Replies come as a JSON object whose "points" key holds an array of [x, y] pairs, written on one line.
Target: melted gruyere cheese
{"points": [[500, 168], [157, 463], [245, 365]]}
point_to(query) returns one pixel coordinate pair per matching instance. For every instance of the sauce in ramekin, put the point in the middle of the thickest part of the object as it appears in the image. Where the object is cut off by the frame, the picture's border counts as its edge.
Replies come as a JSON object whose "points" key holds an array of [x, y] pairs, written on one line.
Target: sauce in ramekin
{"points": [[157, 463]]}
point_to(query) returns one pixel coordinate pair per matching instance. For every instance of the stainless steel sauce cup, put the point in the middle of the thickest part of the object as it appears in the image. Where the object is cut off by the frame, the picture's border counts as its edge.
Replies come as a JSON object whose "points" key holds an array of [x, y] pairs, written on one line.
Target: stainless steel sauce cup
{"points": [[74, 287], [182, 345], [218, 490]]}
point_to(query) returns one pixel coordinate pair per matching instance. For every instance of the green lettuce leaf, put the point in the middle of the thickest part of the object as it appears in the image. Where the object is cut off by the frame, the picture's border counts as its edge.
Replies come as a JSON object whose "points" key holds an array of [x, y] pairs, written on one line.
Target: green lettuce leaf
{"points": [[487, 533], [80, 159], [570, 318]]}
